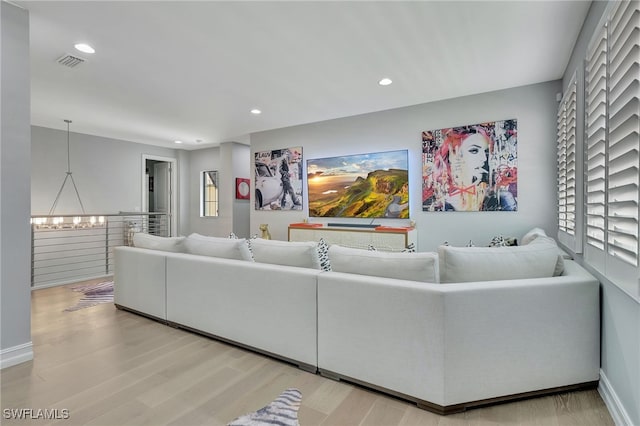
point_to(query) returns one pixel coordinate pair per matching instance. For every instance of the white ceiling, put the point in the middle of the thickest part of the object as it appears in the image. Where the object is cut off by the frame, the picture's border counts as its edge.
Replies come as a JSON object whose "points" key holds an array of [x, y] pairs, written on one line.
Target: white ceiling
{"points": [[193, 70]]}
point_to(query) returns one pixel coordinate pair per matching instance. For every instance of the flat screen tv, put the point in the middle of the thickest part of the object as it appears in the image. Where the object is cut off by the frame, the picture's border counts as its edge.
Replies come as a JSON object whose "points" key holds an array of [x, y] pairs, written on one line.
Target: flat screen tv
{"points": [[374, 185]]}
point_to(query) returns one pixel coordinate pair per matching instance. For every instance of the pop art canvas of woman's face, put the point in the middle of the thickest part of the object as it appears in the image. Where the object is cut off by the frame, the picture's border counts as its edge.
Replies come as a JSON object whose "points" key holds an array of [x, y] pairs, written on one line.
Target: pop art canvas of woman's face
{"points": [[471, 168]]}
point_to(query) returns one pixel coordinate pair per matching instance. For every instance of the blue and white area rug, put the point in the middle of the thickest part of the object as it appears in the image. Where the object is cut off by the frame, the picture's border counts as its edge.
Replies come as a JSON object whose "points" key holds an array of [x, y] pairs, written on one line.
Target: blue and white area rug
{"points": [[94, 294], [283, 411]]}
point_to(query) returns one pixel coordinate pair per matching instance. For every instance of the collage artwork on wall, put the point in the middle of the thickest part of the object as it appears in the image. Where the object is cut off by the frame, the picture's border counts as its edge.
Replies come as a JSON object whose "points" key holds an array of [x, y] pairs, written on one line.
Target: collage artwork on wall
{"points": [[471, 168], [278, 179]]}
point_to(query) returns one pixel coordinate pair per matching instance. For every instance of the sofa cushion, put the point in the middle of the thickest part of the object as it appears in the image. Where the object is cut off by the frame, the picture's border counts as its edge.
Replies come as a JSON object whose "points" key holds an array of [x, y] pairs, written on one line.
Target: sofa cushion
{"points": [[226, 248], [532, 235], [404, 266], [286, 253], [154, 242], [538, 259]]}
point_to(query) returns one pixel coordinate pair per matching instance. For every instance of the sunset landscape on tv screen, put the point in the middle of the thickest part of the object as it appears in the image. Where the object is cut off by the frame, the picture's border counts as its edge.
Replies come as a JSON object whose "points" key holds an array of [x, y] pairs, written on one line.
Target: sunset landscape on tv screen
{"points": [[374, 185]]}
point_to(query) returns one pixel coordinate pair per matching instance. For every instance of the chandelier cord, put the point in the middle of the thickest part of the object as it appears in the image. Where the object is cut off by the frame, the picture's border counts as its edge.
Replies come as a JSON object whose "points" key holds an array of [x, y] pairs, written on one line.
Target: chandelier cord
{"points": [[68, 175]]}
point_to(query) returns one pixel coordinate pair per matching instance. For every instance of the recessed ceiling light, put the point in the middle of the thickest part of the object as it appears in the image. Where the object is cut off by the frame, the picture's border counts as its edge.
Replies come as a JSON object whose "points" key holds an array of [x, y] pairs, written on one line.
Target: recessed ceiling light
{"points": [[177, 141], [256, 111], [83, 47], [385, 82]]}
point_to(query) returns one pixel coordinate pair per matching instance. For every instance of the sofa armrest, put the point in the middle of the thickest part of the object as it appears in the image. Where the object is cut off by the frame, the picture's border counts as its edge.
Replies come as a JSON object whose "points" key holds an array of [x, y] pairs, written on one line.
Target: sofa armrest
{"points": [[140, 280]]}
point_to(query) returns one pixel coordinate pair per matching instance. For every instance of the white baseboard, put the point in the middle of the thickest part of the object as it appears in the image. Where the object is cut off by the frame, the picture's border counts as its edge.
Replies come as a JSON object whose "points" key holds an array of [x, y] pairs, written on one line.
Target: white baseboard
{"points": [[16, 355], [611, 400]]}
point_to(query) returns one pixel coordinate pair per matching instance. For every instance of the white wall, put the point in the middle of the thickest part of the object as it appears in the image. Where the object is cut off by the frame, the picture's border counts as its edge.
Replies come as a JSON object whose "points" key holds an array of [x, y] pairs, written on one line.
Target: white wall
{"points": [[241, 208], [620, 315], [107, 172], [231, 160], [184, 192], [533, 106], [15, 248]]}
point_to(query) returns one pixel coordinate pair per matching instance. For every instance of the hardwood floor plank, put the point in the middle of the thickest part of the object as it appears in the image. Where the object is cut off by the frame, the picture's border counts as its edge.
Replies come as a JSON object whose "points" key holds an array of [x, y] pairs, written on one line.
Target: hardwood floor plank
{"points": [[192, 399], [353, 408], [192, 368], [261, 374], [328, 396], [581, 408], [414, 416], [383, 413], [124, 415]]}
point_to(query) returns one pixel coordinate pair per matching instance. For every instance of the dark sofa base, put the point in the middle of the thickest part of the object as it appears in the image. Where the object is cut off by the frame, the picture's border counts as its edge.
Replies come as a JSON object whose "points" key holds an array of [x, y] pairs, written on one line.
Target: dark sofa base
{"points": [[458, 408]]}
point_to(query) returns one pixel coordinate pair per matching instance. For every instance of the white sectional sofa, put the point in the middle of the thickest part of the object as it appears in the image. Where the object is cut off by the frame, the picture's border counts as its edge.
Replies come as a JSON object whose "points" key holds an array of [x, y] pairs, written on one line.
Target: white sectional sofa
{"points": [[447, 347]]}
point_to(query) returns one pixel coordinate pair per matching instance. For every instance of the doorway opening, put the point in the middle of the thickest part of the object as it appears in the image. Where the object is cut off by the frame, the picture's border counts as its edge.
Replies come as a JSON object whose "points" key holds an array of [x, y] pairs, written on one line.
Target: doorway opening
{"points": [[158, 195]]}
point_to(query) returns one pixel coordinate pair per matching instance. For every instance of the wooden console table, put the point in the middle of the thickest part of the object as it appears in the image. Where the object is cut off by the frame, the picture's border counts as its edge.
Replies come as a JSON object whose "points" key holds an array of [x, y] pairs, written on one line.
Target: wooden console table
{"points": [[382, 238]]}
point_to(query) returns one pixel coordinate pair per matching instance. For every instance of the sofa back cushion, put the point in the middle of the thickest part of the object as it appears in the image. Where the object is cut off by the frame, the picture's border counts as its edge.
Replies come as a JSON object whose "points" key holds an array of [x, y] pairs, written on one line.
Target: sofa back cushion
{"points": [[538, 259], [154, 242], [286, 253], [532, 235], [218, 247], [421, 266]]}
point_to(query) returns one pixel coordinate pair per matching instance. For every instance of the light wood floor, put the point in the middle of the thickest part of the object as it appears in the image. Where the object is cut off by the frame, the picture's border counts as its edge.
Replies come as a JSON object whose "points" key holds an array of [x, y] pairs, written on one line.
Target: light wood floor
{"points": [[110, 367]]}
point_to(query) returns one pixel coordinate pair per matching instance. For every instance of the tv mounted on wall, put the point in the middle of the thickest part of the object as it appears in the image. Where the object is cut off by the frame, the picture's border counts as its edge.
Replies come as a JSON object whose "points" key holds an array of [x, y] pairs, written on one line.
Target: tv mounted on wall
{"points": [[374, 185]]}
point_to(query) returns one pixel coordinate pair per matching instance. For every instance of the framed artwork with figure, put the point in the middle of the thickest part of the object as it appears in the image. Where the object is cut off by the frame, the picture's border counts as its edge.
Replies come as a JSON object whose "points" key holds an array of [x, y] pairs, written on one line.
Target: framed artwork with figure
{"points": [[471, 168], [278, 179]]}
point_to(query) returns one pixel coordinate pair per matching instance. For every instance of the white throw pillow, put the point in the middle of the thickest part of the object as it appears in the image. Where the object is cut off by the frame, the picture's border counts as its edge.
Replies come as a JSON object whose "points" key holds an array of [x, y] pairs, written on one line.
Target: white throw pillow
{"points": [[226, 248], [538, 259], [421, 266], [532, 235], [154, 242], [286, 253]]}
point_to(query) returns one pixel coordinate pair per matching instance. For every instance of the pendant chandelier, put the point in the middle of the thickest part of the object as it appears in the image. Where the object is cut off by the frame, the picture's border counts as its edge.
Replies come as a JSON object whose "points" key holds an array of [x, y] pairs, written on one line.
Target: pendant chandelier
{"points": [[66, 178], [67, 221]]}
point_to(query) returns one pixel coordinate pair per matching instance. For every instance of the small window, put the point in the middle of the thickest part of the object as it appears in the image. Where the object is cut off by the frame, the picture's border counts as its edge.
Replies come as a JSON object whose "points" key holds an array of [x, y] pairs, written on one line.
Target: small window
{"points": [[209, 192]]}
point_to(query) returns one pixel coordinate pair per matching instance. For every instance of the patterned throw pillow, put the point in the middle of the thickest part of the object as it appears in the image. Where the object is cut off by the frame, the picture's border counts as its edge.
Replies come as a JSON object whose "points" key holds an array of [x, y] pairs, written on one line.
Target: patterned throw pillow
{"points": [[497, 241], [323, 255], [501, 241], [255, 236]]}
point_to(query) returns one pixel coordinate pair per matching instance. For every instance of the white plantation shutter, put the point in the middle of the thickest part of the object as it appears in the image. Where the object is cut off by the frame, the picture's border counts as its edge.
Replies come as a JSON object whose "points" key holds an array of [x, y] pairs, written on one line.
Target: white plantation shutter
{"points": [[623, 132], [596, 126], [566, 138], [612, 145], [571, 108], [562, 166]]}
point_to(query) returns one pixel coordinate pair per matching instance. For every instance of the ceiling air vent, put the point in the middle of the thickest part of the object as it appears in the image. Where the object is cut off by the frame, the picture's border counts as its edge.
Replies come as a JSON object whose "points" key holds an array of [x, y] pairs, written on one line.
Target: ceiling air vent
{"points": [[70, 61]]}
